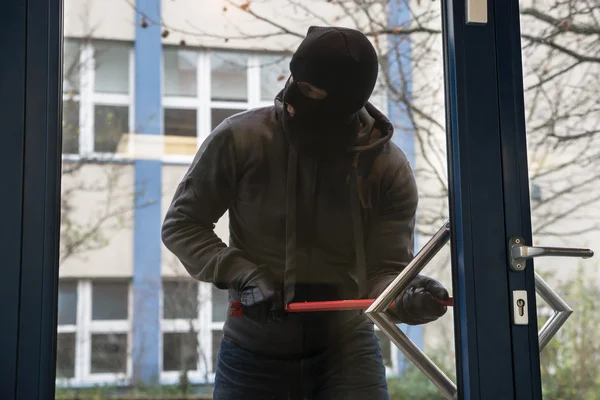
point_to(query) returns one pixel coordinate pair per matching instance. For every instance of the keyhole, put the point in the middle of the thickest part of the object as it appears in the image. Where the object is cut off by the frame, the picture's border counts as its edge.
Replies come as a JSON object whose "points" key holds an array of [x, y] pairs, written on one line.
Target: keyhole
{"points": [[521, 305]]}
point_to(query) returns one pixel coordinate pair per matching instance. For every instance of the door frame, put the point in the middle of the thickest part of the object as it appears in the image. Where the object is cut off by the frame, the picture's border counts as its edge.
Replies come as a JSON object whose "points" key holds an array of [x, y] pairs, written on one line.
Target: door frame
{"points": [[489, 198]]}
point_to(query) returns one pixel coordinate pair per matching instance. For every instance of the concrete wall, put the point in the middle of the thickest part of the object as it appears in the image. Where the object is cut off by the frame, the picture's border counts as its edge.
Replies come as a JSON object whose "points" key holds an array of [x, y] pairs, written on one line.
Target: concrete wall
{"points": [[99, 193]]}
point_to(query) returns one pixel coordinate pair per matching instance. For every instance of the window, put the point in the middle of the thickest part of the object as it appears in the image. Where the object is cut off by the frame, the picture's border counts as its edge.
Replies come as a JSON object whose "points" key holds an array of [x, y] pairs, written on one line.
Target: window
{"points": [[109, 353], [180, 351], [274, 70], [228, 76], [180, 300], [181, 329], [67, 303], [202, 89], [96, 97], [112, 67], [110, 124], [71, 67], [180, 68], [109, 301], [93, 331], [65, 355], [180, 122], [220, 304]]}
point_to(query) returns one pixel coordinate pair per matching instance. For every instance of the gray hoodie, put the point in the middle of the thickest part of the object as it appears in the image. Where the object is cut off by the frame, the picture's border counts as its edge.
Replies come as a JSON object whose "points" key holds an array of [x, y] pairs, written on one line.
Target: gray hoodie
{"points": [[338, 229]]}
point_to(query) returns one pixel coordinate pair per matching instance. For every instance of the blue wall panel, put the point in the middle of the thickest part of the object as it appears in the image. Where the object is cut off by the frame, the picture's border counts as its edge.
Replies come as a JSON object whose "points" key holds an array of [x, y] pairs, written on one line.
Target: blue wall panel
{"points": [[148, 184]]}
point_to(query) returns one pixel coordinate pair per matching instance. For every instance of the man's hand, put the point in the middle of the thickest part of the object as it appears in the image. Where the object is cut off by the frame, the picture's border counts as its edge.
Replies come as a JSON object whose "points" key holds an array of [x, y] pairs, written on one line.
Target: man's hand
{"points": [[417, 305], [261, 296]]}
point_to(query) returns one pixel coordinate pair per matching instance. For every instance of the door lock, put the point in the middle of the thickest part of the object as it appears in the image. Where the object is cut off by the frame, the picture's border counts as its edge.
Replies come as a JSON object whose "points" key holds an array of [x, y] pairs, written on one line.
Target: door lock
{"points": [[519, 253], [520, 315]]}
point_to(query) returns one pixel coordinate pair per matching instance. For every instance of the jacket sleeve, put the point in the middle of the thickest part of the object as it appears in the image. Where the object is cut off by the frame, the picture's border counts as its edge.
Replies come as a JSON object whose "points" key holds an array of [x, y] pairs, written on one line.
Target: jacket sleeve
{"points": [[204, 195], [390, 240]]}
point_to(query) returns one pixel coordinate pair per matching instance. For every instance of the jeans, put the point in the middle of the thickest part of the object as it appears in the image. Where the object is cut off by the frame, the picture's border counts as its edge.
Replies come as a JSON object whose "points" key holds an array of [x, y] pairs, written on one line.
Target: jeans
{"points": [[350, 371]]}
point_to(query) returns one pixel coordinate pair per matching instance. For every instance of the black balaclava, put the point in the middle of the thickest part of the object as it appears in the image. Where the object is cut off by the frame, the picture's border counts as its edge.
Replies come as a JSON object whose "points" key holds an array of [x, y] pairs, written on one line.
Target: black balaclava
{"points": [[344, 63]]}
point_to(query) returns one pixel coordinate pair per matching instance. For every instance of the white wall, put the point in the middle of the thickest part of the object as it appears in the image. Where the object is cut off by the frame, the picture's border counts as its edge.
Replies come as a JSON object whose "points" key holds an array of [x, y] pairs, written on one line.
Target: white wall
{"points": [[93, 201]]}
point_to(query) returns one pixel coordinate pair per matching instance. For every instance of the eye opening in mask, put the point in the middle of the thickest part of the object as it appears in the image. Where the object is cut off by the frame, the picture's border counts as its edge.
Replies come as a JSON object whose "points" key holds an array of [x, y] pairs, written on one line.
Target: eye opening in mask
{"points": [[310, 91]]}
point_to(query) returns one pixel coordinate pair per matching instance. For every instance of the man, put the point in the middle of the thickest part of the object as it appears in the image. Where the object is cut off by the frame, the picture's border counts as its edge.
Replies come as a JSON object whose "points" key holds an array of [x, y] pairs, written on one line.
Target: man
{"points": [[321, 206]]}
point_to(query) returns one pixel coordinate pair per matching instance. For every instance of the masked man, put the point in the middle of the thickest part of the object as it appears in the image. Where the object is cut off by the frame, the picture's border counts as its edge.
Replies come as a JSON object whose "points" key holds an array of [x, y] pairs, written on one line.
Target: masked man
{"points": [[321, 207]]}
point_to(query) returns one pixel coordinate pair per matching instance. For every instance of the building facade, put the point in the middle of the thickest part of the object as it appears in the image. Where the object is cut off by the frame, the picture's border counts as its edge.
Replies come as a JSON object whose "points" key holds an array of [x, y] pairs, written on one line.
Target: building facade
{"points": [[138, 102]]}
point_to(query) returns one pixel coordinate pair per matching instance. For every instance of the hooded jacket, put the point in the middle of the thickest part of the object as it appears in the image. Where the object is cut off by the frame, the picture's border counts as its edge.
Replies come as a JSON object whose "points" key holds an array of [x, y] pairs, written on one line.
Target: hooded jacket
{"points": [[331, 230]]}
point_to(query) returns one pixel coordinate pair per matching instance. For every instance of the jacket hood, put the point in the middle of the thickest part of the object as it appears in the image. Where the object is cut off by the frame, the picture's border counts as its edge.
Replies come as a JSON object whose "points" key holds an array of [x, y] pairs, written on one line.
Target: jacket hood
{"points": [[376, 129]]}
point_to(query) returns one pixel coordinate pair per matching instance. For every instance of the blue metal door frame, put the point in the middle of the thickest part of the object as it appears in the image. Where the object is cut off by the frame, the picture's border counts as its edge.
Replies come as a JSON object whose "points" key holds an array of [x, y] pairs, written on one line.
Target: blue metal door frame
{"points": [[30, 160], [488, 180], [489, 203]]}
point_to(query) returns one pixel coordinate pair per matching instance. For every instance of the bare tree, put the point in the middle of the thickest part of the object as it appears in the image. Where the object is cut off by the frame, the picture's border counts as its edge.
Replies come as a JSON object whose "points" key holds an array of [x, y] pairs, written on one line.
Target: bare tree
{"points": [[561, 54]]}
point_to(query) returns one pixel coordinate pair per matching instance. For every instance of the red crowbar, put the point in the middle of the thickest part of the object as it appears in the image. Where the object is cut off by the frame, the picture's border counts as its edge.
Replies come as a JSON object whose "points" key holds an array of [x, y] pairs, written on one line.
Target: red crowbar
{"points": [[235, 308]]}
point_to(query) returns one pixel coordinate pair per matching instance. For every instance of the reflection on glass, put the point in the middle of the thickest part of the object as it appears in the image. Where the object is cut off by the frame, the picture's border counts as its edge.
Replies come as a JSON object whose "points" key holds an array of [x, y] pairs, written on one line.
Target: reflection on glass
{"points": [[110, 300], [180, 72], [112, 67], [274, 70], [229, 77], [180, 300], [65, 355], [67, 303], [109, 353], [111, 124], [180, 351], [219, 115]]}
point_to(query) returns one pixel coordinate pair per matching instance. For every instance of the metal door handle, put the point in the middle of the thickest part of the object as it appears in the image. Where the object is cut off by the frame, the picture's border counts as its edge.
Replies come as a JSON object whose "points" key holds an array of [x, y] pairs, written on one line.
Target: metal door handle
{"points": [[519, 253]]}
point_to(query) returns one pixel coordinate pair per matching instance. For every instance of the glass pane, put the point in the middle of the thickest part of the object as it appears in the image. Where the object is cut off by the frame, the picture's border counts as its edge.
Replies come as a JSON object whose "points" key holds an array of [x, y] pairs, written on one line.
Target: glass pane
{"points": [[110, 300], [561, 75], [229, 78], [109, 353], [220, 304], [70, 126], [116, 200], [219, 115], [274, 70], [180, 72], [65, 355], [111, 124], [112, 67], [180, 351], [217, 336], [180, 300], [71, 67], [67, 303], [180, 122]]}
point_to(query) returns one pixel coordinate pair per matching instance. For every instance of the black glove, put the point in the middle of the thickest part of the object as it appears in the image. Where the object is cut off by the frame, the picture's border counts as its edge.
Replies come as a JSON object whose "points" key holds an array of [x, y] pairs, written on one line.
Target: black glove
{"points": [[260, 294], [417, 305]]}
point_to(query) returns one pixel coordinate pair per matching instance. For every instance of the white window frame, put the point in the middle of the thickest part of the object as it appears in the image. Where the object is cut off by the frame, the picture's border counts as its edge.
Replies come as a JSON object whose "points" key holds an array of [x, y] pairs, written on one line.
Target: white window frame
{"points": [[84, 328], [181, 325], [88, 99], [203, 103]]}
